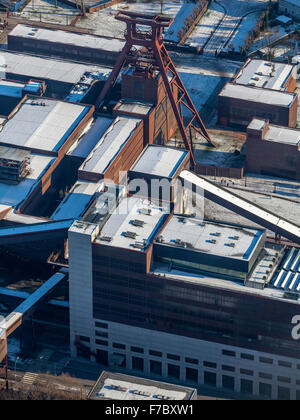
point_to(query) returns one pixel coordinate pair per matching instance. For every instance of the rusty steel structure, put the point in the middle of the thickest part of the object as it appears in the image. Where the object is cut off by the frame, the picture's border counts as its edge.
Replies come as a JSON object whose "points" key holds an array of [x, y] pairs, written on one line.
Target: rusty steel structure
{"points": [[144, 48]]}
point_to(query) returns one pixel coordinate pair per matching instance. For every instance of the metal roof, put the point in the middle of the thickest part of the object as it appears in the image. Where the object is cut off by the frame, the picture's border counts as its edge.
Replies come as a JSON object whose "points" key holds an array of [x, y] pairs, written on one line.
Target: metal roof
{"points": [[42, 124], [159, 161]]}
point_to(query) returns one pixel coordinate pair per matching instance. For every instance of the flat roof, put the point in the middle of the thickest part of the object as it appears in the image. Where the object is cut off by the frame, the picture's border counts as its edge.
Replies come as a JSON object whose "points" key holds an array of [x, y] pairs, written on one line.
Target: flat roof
{"points": [[76, 202], [114, 139], [47, 68], [116, 386], [65, 37], [14, 194], [42, 124], [259, 95], [266, 74], [211, 238], [276, 133], [90, 139], [159, 161], [149, 217], [134, 107]]}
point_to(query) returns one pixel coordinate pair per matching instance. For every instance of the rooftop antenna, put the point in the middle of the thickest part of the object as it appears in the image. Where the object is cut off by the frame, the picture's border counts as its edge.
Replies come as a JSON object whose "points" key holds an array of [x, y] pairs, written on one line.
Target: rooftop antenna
{"points": [[154, 51]]}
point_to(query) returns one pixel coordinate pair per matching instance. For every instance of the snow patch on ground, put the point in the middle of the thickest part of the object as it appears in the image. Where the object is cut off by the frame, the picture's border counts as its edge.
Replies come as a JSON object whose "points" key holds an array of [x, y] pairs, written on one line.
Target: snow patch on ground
{"points": [[185, 11]]}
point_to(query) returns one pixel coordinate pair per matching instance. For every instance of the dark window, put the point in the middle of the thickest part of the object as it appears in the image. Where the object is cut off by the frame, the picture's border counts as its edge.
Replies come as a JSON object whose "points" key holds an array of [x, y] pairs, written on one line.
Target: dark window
{"points": [[284, 394], [210, 365], [246, 387], [247, 356], [173, 371], [247, 372], [84, 339], [265, 390], [266, 360], [228, 368], [285, 364], [102, 357], [101, 342], [155, 367], [137, 364], [297, 395], [192, 375], [191, 361], [173, 357], [137, 349], [228, 382], [119, 346], [228, 353], [210, 379], [283, 379], [265, 375], [155, 353]]}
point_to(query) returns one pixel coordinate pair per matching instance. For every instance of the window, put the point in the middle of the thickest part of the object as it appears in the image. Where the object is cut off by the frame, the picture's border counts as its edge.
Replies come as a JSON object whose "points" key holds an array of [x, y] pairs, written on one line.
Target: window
{"points": [[285, 364], [228, 353], [119, 346], [246, 387], [155, 367], [173, 357], [191, 361], [228, 382], [266, 361], [210, 365], [265, 390], [297, 395], [228, 368], [155, 353], [173, 371], [283, 379], [210, 379], [284, 394], [265, 375], [246, 356], [101, 342], [101, 334], [138, 364], [192, 375], [84, 339], [137, 349], [247, 372]]}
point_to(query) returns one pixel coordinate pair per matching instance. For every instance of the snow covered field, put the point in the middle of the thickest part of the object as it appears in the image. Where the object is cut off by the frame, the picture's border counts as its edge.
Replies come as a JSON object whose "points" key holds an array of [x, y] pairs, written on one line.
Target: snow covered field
{"points": [[227, 14], [185, 11], [104, 23], [45, 11]]}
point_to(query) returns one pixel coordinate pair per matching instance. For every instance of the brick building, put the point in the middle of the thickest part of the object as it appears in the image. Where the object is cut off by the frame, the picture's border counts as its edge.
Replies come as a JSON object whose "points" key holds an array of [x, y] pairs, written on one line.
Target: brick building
{"points": [[273, 150]]}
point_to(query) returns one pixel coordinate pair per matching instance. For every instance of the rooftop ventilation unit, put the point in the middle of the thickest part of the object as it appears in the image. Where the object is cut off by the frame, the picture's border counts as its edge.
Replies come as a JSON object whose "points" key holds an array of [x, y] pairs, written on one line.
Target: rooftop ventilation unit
{"points": [[212, 241], [106, 238], [131, 235], [14, 164], [138, 223], [139, 245], [146, 212], [160, 239], [218, 234], [231, 245]]}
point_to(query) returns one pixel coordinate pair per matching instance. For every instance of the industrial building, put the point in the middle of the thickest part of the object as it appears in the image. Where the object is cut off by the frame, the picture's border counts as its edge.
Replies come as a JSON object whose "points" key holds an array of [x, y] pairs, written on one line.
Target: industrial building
{"points": [[290, 8], [115, 386], [266, 74], [153, 288], [273, 150], [239, 104], [66, 44]]}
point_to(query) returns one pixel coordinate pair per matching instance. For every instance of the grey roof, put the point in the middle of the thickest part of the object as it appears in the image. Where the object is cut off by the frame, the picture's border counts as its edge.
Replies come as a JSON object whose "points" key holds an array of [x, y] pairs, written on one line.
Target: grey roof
{"points": [[31, 66], [257, 124], [260, 73], [259, 95], [159, 161], [110, 145], [135, 107], [283, 135], [198, 235], [65, 37], [42, 124]]}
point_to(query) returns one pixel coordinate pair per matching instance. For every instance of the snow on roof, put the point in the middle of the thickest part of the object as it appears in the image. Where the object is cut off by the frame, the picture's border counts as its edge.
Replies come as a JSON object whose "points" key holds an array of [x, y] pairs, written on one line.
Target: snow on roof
{"points": [[199, 235], [65, 37], [149, 215], [92, 137], [110, 145], [46, 68], [159, 161], [283, 135], [257, 124], [185, 11], [134, 107], [14, 194], [42, 124], [260, 73], [260, 95]]}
